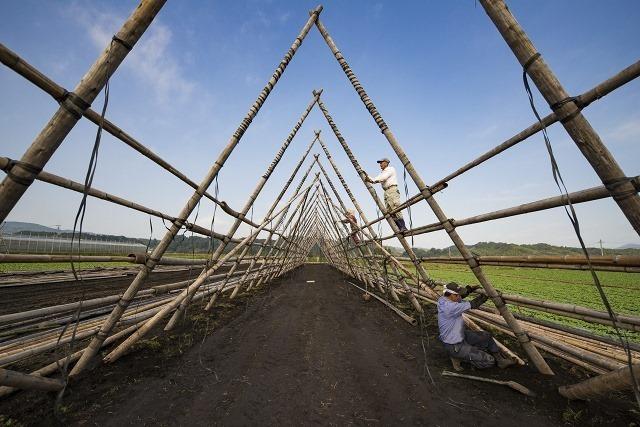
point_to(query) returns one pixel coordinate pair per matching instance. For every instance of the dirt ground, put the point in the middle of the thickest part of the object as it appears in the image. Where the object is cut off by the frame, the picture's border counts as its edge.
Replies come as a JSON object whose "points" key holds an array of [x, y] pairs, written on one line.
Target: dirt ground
{"points": [[306, 349]]}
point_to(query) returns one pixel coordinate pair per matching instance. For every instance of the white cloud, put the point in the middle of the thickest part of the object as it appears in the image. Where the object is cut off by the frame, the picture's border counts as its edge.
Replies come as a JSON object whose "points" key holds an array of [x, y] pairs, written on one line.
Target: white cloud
{"points": [[151, 60]]}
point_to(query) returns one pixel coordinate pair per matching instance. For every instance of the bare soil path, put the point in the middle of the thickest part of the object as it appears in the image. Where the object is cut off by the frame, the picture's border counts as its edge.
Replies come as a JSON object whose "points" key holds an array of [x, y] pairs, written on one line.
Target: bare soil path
{"points": [[308, 350]]}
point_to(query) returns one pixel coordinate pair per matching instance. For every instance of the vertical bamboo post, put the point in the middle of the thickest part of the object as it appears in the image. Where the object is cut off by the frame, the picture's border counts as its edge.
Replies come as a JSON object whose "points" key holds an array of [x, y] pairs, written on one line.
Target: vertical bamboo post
{"points": [[73, 106], [565, 107], [106, 328], [535, 356]]}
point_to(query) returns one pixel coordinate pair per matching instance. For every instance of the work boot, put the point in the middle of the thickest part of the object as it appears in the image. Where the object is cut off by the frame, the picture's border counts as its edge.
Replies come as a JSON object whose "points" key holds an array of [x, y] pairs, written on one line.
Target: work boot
{"points": [[456, 365], [501, 361], [401, 225]]}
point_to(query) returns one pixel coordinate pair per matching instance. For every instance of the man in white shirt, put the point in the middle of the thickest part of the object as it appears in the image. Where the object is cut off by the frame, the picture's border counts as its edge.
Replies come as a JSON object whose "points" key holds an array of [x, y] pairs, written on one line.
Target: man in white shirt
{"points": [[389, 183]]}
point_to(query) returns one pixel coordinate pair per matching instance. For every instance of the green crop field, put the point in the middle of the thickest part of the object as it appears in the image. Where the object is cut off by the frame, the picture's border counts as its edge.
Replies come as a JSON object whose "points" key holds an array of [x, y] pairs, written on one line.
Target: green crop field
{"points": [[55, 266], [565, 286]]}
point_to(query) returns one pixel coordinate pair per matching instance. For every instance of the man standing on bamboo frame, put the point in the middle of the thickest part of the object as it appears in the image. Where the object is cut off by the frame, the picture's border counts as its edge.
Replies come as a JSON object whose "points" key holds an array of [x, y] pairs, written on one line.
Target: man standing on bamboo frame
{"points": [[389, 183]]}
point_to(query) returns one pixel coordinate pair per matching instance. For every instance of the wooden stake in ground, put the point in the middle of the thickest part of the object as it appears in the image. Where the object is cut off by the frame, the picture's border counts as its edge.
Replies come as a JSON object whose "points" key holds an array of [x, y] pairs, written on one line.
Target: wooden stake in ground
{"points": [[73, 106]]}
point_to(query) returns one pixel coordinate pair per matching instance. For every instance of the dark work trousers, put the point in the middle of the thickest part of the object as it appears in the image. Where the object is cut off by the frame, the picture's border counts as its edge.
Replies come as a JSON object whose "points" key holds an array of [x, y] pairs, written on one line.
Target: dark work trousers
{"points": [[475, 349]]}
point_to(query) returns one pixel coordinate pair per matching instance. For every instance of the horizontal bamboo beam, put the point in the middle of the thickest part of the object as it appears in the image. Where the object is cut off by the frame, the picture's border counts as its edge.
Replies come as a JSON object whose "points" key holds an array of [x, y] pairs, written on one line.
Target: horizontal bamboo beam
{"points": [[80, 188], [618, 260], [590, 194], [602, 266], [132, 258], [599, 91]]}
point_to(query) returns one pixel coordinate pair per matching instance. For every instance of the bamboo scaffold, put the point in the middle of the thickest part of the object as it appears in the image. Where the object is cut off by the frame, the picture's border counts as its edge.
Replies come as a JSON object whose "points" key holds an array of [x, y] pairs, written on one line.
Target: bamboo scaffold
{"points": [[312, 216]]}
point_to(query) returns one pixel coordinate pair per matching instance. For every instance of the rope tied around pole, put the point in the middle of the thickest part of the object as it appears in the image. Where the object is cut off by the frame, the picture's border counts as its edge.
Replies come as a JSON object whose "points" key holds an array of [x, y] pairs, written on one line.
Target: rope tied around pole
{"points": [[29, 168], [613, 184]]}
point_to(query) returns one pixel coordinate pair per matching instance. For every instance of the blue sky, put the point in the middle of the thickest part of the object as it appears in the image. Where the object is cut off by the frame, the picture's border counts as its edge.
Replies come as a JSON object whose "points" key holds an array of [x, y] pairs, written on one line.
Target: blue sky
{"points": [[439, 72]]}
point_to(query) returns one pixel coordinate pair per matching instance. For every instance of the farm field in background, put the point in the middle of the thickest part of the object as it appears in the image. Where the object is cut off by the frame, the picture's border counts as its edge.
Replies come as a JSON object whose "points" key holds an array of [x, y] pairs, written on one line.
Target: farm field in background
{"points": [[49, 266]]}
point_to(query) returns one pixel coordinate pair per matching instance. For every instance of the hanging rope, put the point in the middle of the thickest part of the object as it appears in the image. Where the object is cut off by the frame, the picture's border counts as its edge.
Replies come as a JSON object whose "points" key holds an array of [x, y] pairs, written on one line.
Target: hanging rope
{"points": [[406, 198], [146, 251], [573, 218], [77, 225], [213, 220]]}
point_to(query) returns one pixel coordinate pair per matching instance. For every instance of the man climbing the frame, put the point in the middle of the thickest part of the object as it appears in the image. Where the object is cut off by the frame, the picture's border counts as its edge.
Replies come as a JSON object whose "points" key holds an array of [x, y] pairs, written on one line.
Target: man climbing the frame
{"points": [[477, 348], [350, 218], [389, 183]]}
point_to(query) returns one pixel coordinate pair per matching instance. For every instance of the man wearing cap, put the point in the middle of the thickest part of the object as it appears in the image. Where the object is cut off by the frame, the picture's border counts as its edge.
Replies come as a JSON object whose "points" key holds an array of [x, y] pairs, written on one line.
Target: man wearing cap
{"points": [[477, 348], [391, 194]]}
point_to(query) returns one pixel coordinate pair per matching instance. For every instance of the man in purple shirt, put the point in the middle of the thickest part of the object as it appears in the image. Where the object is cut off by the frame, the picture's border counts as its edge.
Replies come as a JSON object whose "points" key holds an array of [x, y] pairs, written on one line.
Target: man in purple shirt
{"points": [[477, 348]]}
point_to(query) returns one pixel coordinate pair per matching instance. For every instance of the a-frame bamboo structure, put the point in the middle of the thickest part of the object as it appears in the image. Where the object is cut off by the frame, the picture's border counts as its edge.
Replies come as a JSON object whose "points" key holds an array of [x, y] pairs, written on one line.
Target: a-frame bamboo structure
{"points": [[312, 216]]}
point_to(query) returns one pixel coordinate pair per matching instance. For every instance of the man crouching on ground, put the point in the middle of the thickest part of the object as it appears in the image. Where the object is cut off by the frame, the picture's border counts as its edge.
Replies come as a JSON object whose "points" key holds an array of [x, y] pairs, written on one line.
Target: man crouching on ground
{"points": [[477, 348]]}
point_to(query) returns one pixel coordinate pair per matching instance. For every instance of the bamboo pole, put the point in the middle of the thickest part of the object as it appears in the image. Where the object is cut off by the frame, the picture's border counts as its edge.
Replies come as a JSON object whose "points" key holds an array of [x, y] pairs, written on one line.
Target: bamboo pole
{"points": [[99, 194], [55, 366], [582, 196], [579, 129], [193, 201], [404, 316], [22, 174], [617, 380], [612, 260], [532, 352], [132, 258], [262, 181]]}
